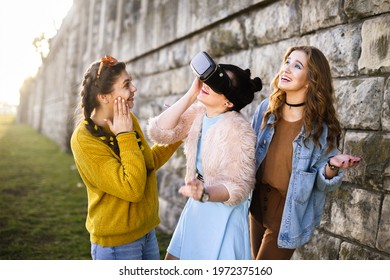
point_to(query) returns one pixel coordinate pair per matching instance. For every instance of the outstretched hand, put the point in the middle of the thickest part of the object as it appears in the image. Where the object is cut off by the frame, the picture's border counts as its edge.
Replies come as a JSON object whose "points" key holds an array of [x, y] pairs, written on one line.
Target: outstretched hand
{"points": [[122, 121], [345, 161]]}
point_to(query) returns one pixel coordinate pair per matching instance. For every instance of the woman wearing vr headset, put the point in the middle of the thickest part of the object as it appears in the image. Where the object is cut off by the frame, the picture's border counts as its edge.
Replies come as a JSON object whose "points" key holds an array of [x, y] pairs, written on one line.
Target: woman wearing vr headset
{"points": [[117, 166], [297, 159], [220, 171]]}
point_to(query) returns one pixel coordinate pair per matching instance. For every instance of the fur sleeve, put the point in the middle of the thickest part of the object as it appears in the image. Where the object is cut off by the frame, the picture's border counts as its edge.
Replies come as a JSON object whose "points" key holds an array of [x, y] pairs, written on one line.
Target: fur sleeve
{"points": [[178, 133], [241, 184], [230, 157]]}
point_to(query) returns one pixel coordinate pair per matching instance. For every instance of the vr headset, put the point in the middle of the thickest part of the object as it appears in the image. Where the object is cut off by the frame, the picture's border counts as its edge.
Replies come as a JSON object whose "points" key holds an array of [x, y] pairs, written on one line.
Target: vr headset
{"points": [[211, 73]]}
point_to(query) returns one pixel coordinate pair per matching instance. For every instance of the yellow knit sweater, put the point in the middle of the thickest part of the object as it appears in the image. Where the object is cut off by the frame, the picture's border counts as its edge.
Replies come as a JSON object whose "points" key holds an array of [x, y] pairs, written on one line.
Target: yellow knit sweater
{"points": [[122, 191]]}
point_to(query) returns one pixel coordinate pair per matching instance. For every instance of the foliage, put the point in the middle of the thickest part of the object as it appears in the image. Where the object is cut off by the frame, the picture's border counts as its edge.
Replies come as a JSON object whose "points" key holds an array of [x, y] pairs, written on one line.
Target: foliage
{"points": [[41, 45]]}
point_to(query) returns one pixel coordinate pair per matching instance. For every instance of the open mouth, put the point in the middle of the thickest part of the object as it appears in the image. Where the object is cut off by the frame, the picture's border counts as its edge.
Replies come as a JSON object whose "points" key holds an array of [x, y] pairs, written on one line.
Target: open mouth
{"points": [[203, 91], [130, 99], [285, 79]]}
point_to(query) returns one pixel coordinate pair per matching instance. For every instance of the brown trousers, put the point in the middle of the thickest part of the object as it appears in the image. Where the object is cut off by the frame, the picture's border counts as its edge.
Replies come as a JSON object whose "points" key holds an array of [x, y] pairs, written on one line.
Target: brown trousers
{"points": [[265, 219]]}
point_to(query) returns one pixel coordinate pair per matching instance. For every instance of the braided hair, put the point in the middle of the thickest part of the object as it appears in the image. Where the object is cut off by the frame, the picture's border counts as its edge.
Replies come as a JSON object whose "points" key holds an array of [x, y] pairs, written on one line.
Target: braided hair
{"points": [[91, 86]]}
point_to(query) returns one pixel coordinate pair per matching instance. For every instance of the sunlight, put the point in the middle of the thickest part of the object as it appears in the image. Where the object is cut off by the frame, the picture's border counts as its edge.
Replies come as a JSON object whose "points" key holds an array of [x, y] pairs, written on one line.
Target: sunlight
{"points": [[20, 22]]}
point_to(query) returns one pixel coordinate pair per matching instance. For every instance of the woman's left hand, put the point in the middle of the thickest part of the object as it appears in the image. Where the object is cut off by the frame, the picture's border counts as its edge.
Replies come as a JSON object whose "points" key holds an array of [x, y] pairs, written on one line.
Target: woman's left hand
{"points": [[122, 121], [345, 161], [193, 188]]}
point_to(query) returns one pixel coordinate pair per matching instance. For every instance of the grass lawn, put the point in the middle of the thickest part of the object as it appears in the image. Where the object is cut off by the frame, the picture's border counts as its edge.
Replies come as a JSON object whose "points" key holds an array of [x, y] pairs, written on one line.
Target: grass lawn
{"points": [[42, 199]]}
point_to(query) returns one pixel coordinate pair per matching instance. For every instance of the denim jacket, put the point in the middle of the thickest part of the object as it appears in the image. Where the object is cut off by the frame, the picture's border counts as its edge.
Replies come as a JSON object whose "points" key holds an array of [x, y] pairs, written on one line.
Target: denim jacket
{"points": [[308, 186]]}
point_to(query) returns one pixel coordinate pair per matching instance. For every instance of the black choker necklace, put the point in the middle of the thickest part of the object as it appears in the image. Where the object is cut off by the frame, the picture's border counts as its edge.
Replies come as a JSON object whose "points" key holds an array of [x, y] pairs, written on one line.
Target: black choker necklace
{"points": [[294, 105]]}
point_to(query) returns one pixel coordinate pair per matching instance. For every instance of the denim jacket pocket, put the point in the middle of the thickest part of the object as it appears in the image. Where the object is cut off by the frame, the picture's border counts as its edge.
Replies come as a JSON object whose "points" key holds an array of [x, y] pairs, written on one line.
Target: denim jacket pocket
{"points": [[303, 186]]}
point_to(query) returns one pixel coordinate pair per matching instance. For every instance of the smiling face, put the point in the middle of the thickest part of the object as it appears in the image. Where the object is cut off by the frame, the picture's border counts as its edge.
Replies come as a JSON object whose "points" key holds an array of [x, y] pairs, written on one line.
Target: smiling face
{"points": [[209, 97], [124, 88], [293, 75], [215, 103]]}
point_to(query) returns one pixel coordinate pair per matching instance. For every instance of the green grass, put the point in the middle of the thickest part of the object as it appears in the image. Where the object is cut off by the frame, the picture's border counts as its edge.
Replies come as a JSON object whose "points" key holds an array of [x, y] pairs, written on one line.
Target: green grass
{"points": [[43, 201]]}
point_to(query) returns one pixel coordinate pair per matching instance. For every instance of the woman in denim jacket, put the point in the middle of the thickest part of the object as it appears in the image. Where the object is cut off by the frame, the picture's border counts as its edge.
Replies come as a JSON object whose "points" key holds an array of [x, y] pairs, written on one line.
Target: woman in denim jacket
{"points": [[297, 159]]}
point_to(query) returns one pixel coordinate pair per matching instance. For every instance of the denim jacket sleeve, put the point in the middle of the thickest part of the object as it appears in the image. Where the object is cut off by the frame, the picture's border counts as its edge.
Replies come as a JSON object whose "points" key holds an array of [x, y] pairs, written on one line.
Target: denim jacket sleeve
{"points": [[263, 136]]}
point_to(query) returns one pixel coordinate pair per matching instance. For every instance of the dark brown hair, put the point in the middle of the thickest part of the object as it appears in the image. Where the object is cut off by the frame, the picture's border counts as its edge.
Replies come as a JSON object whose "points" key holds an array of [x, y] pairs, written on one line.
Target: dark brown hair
{"points": [[91, 86], [243, 87]]}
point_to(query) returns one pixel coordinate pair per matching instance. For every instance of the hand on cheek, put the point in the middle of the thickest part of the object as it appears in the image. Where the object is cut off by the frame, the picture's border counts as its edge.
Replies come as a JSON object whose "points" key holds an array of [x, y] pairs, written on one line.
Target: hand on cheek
{"points": [[122, 121]]}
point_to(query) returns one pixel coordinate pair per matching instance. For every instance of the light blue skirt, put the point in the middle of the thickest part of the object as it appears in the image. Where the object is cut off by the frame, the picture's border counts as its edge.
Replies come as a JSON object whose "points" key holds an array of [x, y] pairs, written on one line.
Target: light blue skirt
{"points": [[212, 231]]}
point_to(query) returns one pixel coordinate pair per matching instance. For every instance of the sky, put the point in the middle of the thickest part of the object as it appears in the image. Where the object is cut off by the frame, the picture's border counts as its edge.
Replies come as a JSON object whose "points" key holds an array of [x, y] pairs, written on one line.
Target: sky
{"points": [[20, 22]]}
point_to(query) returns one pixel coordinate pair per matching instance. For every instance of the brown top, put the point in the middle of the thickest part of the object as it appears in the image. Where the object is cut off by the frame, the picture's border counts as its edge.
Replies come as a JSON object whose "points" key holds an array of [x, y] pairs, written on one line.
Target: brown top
{"points": [[277, 165]]}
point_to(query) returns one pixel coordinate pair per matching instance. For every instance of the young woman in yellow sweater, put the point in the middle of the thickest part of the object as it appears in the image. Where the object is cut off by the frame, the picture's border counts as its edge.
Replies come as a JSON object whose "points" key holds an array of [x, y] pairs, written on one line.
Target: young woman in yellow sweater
{"points": [[117, 166]]}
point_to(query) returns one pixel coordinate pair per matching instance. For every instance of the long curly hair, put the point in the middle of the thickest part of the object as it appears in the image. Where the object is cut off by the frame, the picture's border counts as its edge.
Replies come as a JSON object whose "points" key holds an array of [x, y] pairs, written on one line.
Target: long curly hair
{"points": [[91, 86], [319, 101]]}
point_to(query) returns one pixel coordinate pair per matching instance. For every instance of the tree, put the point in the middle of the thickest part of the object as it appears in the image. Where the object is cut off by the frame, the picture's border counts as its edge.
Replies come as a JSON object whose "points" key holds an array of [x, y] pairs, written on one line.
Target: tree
{"points": [[41, 44]]}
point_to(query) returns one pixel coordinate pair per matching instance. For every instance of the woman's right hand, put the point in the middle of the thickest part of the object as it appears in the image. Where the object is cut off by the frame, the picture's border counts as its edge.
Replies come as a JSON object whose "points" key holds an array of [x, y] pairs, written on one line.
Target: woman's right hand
{"points": [[169, 118], [195, 87], [122, 121]]}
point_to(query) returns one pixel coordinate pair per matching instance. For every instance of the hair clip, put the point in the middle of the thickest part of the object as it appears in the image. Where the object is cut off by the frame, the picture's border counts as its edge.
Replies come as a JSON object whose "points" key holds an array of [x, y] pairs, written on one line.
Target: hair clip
{"points": [[108, 61]]}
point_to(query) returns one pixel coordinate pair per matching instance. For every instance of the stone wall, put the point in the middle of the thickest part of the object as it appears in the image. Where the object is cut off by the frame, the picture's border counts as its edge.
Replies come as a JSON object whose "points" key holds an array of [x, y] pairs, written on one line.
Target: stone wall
{"points": [[158, 38]]}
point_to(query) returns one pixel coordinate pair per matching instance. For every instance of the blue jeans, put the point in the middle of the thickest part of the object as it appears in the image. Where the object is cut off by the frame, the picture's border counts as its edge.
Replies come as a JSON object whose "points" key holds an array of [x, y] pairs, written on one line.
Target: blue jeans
{"points": [[145, 248]]}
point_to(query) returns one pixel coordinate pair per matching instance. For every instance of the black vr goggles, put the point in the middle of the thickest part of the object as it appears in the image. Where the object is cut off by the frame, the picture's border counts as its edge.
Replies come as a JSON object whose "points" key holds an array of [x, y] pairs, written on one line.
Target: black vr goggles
{"points": [[211, 73]]}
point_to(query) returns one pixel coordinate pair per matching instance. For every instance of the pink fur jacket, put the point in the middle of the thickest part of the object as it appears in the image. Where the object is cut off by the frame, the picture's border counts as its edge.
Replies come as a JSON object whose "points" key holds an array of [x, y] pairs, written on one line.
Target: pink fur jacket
{"points": [[228, 154]]}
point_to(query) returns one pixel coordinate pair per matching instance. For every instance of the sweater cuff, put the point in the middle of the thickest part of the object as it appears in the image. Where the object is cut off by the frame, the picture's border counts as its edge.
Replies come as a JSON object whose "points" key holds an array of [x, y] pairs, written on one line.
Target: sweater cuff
{"points": [[125, 132], [128, 139]]}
